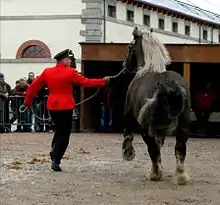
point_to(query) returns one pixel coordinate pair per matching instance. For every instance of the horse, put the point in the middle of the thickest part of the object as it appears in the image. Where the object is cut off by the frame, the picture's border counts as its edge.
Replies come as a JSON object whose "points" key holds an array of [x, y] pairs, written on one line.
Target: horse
{"points": [[159, 101]]}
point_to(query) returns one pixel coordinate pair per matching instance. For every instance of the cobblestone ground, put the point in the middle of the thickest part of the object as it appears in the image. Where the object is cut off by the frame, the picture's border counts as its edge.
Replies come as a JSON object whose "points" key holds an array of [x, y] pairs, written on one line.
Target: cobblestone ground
{"points": [[95, 174]]}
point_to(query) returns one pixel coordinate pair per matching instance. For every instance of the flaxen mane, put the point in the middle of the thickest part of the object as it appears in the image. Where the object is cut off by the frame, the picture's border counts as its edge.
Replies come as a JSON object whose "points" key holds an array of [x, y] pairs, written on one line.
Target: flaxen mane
{"points": [[156, 56]]}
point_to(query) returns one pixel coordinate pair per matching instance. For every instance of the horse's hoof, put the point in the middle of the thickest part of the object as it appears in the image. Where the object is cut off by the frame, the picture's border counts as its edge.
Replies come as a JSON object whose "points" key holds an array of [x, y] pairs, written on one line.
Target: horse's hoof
{"points": [[128, 155], [156, 176], [181, 178], [128, 152]]}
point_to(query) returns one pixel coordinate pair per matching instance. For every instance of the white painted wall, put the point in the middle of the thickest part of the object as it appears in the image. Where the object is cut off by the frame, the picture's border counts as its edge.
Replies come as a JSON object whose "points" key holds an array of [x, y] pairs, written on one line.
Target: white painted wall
{"points": [[40, 7], [56, 34]]}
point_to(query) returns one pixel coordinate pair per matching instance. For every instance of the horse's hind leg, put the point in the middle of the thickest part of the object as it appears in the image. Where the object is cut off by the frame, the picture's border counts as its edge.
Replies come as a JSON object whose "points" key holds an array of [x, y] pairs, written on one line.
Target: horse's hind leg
{"points": [[180, 148], [154, 145], [128, 152]]}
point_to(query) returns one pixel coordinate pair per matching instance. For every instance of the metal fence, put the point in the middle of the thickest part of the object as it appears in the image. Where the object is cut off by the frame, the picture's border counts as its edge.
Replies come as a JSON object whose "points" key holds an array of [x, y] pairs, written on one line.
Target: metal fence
{"points": [[38, 119]]}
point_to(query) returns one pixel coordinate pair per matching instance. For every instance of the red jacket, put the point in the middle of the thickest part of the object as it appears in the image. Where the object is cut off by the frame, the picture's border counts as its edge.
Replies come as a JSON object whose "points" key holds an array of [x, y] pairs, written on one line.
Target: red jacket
{"points": [[60, 80], [205, 100]]}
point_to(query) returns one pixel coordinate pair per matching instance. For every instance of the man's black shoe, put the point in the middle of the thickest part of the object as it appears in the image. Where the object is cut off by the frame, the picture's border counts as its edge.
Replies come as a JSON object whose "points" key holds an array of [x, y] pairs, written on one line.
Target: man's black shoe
{"points": [[55, 167]]}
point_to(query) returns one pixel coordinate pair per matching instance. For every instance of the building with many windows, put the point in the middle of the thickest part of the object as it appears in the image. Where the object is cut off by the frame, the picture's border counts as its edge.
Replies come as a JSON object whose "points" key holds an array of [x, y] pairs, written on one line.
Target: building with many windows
{"points": [[171, 20], [32, 32]]}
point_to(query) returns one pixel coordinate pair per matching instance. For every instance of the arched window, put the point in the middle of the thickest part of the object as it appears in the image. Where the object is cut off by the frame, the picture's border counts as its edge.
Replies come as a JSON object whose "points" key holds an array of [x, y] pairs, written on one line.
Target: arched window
{"points": [[34, 52], [33, 49]]}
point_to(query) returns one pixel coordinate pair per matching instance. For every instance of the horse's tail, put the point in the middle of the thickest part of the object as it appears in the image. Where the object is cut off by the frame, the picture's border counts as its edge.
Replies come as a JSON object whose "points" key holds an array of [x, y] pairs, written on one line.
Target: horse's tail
{"points": [[172, 96]]}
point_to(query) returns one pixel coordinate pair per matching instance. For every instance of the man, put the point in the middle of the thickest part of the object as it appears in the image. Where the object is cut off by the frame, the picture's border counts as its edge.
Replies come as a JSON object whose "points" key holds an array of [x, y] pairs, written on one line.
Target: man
{"points": [[60, 103], [24, 119], [203, 105], [5, 91], [41, 110], [14, 108], [30, 78]]}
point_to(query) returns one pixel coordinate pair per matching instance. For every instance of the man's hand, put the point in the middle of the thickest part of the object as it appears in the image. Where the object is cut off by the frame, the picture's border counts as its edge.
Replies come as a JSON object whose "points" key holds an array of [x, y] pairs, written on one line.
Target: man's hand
{"points": [[27, 105], [107, 79]]}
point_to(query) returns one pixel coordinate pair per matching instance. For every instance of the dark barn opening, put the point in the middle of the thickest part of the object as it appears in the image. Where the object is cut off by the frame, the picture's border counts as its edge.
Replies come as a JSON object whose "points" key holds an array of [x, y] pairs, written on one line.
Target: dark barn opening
{"points": [[104, 113], [202, 74], [176, 66]]}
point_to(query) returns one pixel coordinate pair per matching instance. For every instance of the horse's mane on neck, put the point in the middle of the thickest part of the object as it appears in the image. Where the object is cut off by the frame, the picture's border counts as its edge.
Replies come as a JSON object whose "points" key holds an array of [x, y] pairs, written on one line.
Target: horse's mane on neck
{"points": [[156, 56]]}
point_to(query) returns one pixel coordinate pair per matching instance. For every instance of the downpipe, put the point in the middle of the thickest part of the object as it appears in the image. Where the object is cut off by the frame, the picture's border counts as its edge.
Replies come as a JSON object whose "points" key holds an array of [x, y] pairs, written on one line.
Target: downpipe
{"points": [[104, 19], [200, 33]]}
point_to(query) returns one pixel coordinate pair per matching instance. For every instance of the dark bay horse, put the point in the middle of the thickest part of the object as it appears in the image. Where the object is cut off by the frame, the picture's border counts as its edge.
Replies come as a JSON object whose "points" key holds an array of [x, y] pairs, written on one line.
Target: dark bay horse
{"points": [[158, 100]]}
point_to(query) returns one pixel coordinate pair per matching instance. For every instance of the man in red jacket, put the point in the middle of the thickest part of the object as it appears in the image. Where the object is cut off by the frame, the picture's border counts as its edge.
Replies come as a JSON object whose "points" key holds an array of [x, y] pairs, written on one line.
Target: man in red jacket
{"points": [[203, 105], [60, 103]]}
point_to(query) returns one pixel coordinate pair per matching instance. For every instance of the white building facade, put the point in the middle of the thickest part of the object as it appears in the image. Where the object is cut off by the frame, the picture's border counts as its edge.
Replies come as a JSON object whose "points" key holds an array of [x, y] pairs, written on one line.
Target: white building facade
{"points": [[32, 32]]}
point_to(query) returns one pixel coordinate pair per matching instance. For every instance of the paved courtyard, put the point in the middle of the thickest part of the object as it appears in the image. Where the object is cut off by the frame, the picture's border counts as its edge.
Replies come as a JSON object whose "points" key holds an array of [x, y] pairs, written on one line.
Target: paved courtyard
{"points": [[94, 172]]}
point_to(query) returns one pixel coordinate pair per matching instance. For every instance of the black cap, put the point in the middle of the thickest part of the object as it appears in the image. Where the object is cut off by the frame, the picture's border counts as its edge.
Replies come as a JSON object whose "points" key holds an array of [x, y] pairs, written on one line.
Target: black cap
{"points": [[63, 54]]}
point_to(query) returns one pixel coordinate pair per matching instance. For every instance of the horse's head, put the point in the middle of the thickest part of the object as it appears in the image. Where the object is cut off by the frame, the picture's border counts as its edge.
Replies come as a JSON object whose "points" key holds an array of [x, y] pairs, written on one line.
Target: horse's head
{"points": [[146, 53], [135, 57]]}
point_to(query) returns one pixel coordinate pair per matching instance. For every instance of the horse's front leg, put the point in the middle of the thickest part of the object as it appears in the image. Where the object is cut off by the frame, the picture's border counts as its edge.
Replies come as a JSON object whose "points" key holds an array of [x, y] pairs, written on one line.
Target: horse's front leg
{"points": [[180, 148], [154, 145], [128, 152]]}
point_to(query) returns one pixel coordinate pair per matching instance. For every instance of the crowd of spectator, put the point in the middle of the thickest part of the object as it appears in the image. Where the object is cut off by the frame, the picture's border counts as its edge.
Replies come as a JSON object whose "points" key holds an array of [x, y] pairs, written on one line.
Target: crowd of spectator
{"points": [[12, 99]]}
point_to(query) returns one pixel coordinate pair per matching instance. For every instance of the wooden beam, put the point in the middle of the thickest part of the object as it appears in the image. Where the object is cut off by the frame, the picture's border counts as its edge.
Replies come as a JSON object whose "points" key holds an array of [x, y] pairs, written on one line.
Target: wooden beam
{"points": [[185, 53], [186, 73]]}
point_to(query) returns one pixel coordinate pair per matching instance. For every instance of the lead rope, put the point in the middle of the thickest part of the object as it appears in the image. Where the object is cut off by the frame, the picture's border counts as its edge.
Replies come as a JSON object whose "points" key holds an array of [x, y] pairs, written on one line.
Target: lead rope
{"points": [[22, 108]]}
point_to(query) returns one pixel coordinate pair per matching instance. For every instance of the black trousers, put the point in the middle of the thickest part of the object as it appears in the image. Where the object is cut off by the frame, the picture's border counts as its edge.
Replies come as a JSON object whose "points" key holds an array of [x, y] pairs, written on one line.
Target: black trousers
{"points": [[63, 124]]}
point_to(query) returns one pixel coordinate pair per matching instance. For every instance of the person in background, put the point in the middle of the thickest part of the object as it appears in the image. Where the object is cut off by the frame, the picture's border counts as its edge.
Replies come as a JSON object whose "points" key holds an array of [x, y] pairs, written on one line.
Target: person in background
{"points": [[5, 92], [31, 78], [203, 106], [14, 108], [19, 93], [59, 80], [106, 110], [41, 111], [76, 91]]}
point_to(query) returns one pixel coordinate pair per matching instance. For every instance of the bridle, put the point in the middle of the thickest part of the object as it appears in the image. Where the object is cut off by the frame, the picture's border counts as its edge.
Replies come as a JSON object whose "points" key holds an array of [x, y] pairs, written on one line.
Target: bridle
{"points": [[131, 50]]}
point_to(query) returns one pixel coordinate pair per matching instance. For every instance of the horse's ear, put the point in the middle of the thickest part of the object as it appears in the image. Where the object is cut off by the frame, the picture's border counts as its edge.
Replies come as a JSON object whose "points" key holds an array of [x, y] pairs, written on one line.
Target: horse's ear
{"points": [[135, 31]]}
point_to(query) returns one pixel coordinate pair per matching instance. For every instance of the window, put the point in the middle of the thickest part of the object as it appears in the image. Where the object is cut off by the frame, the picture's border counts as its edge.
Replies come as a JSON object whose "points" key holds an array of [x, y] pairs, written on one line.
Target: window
{"points": [[33, 49], [175, 27], [161, 23], [130, 15], [112, 11], [146, 20], [187, 30], [205, 35], [34, 52]]}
